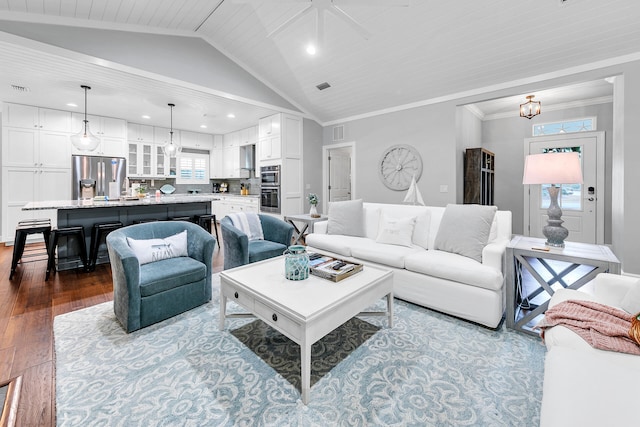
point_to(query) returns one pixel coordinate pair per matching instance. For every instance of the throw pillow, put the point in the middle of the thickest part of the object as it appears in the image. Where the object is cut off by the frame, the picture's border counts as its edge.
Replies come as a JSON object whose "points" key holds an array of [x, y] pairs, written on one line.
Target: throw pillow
{"points": [[346, 218], [465, 229], [151, 250], [631, 301], [395, 231]]}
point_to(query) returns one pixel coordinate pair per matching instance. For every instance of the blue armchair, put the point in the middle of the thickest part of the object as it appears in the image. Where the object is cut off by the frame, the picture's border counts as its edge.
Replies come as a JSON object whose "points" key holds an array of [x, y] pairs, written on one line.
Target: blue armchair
{"points": [[149, 293], [238, 250]]}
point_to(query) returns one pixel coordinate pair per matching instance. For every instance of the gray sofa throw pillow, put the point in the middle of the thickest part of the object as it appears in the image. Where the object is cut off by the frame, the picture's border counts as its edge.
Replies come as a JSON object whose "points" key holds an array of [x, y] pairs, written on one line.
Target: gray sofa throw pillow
{"points": [[464, 230], [346, 218]]}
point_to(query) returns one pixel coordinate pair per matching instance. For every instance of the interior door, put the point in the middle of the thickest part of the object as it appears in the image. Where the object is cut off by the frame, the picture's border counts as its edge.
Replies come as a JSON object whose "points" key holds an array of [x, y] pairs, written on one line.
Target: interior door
{"points": [[582, 215], [339, 174]]}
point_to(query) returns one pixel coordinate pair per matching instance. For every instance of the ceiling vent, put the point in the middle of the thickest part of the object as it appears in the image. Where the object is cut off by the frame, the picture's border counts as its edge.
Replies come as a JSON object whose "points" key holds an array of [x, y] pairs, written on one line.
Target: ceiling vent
{"points": [[338, 133], [323, 86], [18, 88]]}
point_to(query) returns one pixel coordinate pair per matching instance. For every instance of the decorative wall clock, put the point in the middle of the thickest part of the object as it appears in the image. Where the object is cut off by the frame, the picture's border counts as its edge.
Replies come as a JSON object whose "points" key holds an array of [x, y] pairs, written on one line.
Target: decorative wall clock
{"points": [[398, 165]]}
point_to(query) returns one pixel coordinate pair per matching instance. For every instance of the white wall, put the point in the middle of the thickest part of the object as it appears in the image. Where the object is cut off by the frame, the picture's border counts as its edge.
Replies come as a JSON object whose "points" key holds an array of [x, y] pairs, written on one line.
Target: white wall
{"points": [[505, 138], [468, 135], [431, 130]]}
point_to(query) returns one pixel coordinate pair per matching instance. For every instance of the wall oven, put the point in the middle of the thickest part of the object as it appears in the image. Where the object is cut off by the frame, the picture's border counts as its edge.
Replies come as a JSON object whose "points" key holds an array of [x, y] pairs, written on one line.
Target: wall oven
{"points": [[270, 176], [270, 199]]}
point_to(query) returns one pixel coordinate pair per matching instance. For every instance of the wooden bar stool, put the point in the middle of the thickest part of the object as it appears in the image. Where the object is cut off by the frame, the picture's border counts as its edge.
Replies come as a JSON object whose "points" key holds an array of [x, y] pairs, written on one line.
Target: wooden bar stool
{"points": [[204, 221], [99, 233], [75, 231], [24, 229]]}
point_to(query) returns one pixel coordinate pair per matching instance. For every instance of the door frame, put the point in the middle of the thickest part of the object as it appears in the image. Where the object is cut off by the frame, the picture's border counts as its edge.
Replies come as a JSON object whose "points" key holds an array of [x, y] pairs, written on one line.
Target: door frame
{"points": [[600, 178], [325, 171]]}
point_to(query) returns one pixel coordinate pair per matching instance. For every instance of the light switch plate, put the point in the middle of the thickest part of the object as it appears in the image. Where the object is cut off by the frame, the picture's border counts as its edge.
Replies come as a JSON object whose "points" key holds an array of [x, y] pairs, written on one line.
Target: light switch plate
{"points": [[444, 188]]}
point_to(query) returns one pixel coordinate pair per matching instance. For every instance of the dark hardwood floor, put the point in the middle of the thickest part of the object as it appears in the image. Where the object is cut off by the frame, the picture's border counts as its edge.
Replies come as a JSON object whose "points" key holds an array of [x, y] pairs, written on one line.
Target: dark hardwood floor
{"points": [[28, 305]]}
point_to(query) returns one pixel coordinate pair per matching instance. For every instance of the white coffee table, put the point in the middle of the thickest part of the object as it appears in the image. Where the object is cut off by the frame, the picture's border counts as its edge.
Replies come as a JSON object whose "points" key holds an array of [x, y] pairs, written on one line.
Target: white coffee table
{"points": [[306, 310]]}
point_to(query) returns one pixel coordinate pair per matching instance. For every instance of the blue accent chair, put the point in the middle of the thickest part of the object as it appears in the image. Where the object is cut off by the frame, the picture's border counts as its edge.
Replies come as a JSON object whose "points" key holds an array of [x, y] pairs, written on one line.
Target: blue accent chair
{"points": [[149, 293], [238, 250]]}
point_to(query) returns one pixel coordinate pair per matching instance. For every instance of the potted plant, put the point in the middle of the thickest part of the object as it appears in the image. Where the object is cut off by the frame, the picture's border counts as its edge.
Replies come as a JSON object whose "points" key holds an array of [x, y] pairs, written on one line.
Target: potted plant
{"points": [[313, 201]]}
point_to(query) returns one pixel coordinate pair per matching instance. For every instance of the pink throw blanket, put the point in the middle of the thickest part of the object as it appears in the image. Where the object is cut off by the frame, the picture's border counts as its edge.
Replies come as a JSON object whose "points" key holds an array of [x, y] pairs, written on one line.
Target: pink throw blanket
{"points": [[602, 326]]}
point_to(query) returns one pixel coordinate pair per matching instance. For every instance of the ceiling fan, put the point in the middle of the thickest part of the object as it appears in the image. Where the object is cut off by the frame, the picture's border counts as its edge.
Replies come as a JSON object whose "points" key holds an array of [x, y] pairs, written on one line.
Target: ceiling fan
{"points": [[329, 6]]}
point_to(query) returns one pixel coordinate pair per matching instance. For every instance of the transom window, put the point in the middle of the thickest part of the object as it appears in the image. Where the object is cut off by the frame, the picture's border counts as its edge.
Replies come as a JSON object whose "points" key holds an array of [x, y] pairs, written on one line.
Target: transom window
{"points": [[567, 126]]}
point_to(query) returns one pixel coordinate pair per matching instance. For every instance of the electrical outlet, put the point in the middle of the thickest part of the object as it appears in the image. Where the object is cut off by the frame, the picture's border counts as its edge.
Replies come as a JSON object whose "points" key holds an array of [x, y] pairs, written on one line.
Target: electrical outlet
{"points": [[308, 186], [444, 188]]}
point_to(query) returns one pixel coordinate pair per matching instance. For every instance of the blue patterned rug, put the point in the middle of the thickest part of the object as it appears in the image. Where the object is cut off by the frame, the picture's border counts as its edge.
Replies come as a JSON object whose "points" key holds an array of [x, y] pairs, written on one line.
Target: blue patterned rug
{"points": [[429, 370]]}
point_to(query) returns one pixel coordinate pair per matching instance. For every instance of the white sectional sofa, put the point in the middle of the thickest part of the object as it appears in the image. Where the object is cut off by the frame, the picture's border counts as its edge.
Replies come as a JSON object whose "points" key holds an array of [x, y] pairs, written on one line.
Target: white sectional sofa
{"points": [[437, 279], [584, 386]]}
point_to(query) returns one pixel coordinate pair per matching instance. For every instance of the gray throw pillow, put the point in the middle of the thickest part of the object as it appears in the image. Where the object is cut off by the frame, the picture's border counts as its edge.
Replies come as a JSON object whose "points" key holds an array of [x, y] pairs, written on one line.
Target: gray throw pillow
{"points": [[464, 230], [346, 218]]}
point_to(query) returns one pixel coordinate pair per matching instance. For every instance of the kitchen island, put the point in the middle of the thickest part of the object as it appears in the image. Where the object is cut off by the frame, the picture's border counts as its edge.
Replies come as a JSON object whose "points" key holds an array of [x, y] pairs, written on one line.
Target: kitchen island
{"points": [[86, 213]]}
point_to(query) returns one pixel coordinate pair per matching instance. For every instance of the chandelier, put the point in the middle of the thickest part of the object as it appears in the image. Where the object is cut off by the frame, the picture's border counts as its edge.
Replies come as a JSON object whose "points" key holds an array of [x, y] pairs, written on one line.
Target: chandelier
{"points": [[531, 108]]}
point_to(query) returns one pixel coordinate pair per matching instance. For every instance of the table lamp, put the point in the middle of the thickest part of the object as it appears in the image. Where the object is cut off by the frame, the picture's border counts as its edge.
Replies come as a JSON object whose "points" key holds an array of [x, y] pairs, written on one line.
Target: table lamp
{"points": [[553, 168]]}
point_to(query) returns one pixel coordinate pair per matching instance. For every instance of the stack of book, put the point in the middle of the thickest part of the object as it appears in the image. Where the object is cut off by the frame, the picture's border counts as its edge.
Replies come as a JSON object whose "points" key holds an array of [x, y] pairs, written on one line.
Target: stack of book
{"points": [[331, 268]]}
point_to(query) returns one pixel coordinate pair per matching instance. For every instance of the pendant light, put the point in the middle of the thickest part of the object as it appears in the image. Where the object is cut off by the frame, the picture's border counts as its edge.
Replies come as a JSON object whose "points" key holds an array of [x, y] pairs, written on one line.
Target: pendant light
{"points": [[171, 149], [85, 140]]}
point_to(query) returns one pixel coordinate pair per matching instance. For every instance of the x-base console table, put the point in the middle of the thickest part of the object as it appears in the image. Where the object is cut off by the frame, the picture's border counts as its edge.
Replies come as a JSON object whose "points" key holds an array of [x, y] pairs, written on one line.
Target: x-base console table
{"points": [[550, 268]]}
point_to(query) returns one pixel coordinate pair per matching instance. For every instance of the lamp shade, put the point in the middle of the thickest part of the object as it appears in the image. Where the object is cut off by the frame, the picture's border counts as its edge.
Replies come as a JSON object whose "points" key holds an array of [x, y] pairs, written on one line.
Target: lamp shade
{"points": [[552, 168]]}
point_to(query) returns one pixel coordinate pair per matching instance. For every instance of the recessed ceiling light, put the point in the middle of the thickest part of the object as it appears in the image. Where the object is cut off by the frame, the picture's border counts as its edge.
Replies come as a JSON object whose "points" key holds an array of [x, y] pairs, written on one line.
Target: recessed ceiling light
{"points": [[71, 104], [311, 49], [203, 126], [146, 117], [231, 116]]}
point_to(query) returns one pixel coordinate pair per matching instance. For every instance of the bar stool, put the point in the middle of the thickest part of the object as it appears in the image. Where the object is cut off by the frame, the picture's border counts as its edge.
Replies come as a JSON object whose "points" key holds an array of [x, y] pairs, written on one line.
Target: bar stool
{"points": [[142, 221], [181, 218], [24, 229], [204, 221], [76, 231], [99, 232]]}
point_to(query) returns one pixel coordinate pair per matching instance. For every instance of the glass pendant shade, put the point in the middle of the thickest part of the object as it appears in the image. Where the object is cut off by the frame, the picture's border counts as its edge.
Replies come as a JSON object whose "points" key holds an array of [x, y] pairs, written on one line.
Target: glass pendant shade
{"points": [[85, 140], [171, 149]]}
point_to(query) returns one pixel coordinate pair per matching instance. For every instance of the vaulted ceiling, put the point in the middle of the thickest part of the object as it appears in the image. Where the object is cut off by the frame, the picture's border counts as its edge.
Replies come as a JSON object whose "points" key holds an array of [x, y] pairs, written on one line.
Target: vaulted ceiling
{"points": [[428, 50]]}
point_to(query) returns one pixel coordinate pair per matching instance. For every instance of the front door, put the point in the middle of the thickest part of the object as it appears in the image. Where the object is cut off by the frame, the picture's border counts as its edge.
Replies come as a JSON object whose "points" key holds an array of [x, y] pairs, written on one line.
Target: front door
{"points": [[582, 204]]}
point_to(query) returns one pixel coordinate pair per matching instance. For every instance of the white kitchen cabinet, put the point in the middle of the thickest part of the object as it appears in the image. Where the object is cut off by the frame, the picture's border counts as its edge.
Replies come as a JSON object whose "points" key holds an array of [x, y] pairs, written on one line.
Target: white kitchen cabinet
{"points": [[231, 161], [199, 141], [35, 148], [216, 161], [269, 126], [248, 136], [139, 133], [160, 162], [100, 126], [270, 148], [234, 204], [30, 117], [23, 185]]}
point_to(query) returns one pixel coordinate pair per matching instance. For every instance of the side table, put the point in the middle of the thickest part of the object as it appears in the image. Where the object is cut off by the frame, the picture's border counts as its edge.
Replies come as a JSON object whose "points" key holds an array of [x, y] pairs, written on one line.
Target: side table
{"points": [[551, 268], [307, 220]]}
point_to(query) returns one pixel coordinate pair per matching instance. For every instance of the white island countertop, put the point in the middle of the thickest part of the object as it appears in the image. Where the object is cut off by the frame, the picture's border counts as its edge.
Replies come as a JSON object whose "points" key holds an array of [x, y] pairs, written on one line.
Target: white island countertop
{"points": [[145, 201]]}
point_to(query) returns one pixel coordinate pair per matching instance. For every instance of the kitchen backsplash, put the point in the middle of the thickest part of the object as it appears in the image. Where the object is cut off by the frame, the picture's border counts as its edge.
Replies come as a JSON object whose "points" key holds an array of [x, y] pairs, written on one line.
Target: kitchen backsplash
{"points": [[233, 185]]}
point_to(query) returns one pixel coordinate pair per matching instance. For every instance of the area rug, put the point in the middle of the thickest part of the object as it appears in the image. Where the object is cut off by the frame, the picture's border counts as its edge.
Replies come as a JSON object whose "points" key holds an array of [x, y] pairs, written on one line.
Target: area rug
{"points": [[428, 370]]}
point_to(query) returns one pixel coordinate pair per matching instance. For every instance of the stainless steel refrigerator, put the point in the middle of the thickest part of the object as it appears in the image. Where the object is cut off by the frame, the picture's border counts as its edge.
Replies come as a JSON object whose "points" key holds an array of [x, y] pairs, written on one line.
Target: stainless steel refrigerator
{"points": [[98, 176]]}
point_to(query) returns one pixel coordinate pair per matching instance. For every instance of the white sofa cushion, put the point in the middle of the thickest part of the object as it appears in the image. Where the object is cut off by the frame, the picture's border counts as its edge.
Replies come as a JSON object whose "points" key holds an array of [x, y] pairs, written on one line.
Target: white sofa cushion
{"points": [[395, 231], [340, 245], [346, 218], [391, 255], [465, 229], [457, 268]]}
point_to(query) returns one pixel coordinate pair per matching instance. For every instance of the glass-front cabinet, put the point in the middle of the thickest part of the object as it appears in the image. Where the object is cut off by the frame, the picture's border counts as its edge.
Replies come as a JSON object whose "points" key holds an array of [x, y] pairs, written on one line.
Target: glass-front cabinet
{"points": [[132, 159]]}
